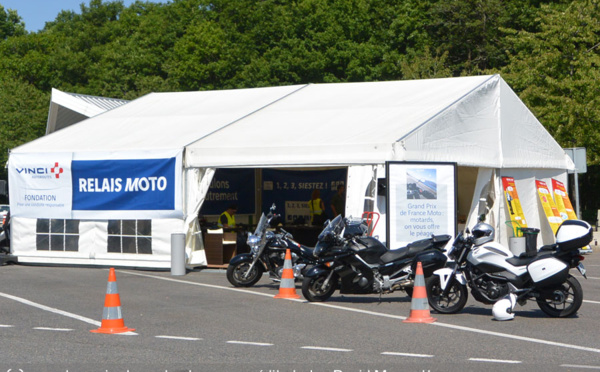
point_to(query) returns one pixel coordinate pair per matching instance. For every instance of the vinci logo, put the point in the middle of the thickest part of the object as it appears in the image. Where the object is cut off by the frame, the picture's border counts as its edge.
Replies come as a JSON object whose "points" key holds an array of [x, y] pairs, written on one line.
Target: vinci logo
{"points": [[42, 172]]}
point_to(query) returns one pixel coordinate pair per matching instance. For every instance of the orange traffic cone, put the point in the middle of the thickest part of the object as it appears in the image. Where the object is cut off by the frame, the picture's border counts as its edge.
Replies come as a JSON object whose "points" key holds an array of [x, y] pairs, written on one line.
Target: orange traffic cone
{"points": [[287, 288], [419, 306], [112, 319]]}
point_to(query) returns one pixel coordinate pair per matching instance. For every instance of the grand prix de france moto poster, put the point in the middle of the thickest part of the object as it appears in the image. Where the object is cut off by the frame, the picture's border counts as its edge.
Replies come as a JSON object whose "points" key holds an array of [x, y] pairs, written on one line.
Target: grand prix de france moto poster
{"points": [[421, 201]]}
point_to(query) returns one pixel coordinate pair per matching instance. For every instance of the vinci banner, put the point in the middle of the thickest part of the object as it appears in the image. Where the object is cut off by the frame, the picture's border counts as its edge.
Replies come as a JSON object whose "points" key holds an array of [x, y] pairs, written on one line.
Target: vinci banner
{"points": [[517, 218], [548, 205], [117, 188], [40, 185], [563, 203]]}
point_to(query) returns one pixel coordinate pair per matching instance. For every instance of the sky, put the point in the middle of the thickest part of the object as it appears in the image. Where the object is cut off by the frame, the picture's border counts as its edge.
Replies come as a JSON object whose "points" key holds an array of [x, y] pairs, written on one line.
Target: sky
{"points": [[35, 13]]}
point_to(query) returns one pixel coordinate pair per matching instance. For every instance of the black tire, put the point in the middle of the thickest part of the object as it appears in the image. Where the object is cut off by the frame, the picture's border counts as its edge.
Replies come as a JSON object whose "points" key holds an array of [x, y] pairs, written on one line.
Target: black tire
{"points": [[235, 274], [313, 291], [564, 300], [453, 303]]}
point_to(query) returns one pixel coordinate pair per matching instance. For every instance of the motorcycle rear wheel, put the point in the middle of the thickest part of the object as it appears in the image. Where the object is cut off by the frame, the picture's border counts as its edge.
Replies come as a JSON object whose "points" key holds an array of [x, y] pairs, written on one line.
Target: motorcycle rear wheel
{"points": [[564, 300], [453, 303], [313, 290], [236, 274]]}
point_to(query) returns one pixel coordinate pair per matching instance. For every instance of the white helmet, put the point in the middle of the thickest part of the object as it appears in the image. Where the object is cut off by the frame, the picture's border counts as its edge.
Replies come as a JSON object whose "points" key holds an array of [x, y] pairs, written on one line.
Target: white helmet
{"points": [[503, 309]]}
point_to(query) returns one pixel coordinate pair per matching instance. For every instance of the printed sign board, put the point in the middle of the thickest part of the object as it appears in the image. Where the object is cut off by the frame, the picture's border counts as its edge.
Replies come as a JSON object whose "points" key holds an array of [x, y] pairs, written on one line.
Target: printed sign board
{"points": [[230, 186], [421, 201], [119, 186], [513, 204], [547, 202]]}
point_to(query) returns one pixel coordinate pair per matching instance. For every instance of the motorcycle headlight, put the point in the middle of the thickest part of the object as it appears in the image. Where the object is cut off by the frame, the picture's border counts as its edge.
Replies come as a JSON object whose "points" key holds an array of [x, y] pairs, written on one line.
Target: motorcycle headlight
{"points": [[253, 240]]}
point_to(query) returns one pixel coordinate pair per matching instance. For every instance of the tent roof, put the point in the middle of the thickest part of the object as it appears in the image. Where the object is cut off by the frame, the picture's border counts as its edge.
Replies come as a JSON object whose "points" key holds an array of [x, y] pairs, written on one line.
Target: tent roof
{"points": [[475, 121], [69, 108]]}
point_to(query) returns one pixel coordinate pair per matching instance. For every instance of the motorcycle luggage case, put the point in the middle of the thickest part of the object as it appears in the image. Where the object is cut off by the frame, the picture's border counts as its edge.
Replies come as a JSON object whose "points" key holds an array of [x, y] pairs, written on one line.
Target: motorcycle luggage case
{"points": [[573, 234], [371, 249], [548, 272]]}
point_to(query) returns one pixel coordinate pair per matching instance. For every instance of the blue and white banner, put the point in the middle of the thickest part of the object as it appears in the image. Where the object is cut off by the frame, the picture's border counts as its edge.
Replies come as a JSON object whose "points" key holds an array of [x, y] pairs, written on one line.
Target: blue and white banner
{"points": [[40, 185], [97, 186]]}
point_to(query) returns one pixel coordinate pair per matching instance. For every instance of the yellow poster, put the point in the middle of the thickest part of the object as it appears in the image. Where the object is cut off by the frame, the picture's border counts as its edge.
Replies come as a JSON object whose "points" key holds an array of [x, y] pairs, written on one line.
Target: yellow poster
{"points": [[517, 218], [550, 209], [562, 201]]}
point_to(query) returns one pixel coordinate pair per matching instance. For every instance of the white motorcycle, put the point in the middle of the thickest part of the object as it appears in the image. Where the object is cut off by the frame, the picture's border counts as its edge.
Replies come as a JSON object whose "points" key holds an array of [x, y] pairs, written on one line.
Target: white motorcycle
{"points": [[498, 277]]}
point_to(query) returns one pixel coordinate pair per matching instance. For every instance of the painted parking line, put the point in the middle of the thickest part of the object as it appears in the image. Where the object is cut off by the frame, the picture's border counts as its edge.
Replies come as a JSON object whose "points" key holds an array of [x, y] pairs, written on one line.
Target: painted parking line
{"points": [[6, 326], [579, 366], [383, 315], [484, 360], [249, 343], [59, 312], [53, 329], [322, 348], [592, 302], [179, 338], [407, 354]]}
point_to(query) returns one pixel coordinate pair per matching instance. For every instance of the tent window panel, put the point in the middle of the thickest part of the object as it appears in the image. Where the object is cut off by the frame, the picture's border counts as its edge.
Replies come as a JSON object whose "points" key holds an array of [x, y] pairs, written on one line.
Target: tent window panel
{"points": [[114, 244], [129, 245], [57, 242], [42, 226], [42, 242], [145, 245], [57, 235], [130, 236]]}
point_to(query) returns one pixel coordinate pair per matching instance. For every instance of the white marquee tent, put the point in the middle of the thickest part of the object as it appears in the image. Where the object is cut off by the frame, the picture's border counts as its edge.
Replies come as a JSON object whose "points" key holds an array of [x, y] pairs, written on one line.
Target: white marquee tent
{"points": [[477, 122]]}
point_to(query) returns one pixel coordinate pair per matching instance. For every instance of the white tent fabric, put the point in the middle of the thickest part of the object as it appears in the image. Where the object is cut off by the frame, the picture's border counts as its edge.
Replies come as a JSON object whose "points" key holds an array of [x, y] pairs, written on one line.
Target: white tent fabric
{"points": [[474, 121], [70, 108]]}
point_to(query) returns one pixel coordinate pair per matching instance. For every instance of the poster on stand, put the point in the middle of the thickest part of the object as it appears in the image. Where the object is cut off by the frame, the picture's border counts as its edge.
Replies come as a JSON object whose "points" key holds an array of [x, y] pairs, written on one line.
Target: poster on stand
{"points": [[513, 204], [421, 200], [563, 203], [548, 205]]}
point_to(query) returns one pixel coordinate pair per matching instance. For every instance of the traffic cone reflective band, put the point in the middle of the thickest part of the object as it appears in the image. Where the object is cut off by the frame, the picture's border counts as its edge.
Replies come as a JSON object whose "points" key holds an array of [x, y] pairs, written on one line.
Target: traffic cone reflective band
{"points": [[112, 318], [419, 306], [287, 288]]}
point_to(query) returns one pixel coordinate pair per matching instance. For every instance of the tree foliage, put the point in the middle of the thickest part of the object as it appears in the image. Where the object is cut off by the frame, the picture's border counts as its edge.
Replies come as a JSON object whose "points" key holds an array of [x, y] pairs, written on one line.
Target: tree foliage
{"points": [[547, 50]]}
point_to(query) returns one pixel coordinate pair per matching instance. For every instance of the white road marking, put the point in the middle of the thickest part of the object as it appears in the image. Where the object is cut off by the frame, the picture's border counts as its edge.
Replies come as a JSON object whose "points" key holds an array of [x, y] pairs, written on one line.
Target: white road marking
{"points": [[6, 326], [578, 366], [53, 329], [59, 312], [179, 338], [407, 354], [592, 302], [249, 343], [390, 316], [495, 360], [325, 348]]}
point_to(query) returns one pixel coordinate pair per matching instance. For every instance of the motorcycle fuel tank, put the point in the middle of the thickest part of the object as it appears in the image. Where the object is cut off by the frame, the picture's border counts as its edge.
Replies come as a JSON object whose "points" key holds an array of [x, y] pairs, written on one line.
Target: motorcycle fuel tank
{"points": [[370, 249], [494, 255]]}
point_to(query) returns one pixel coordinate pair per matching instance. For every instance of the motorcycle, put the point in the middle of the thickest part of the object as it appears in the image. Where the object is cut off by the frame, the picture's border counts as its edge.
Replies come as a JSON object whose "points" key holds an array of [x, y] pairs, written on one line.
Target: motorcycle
{"points": [[363, 265], [496, 276], [5, 235], [267, 254]]}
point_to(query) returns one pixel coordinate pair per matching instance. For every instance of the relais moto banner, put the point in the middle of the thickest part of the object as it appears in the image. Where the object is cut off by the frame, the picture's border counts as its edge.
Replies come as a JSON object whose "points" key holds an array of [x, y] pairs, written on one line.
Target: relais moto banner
{"points": [[421, 201], [119, 186]]}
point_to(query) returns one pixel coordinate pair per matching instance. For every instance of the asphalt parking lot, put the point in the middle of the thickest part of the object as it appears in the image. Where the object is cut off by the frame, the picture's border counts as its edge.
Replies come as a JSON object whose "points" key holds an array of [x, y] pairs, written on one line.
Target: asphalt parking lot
{"points": [[199, 322]]}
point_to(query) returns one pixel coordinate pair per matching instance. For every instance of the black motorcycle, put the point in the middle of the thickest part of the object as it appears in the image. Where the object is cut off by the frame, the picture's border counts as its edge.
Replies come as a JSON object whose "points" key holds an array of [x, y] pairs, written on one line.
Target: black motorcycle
{"points": [[363, 265]]}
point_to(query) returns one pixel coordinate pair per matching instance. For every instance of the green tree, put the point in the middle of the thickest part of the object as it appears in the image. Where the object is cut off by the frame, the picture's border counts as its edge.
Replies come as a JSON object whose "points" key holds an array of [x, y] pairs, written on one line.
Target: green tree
{"points": [[556, 73], [11, 24]]}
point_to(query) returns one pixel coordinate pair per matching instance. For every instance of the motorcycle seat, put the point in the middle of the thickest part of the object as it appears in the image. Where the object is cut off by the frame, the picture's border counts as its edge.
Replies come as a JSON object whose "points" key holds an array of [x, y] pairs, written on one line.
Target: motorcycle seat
{"points": [[410, 250], [523, 260]]}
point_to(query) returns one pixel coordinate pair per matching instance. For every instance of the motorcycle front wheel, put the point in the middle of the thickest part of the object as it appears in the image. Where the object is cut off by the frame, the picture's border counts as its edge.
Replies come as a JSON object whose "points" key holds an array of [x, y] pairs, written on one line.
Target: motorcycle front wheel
{"points": [[314, 289], [239, 276], [454, 302], [563, 300]]}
